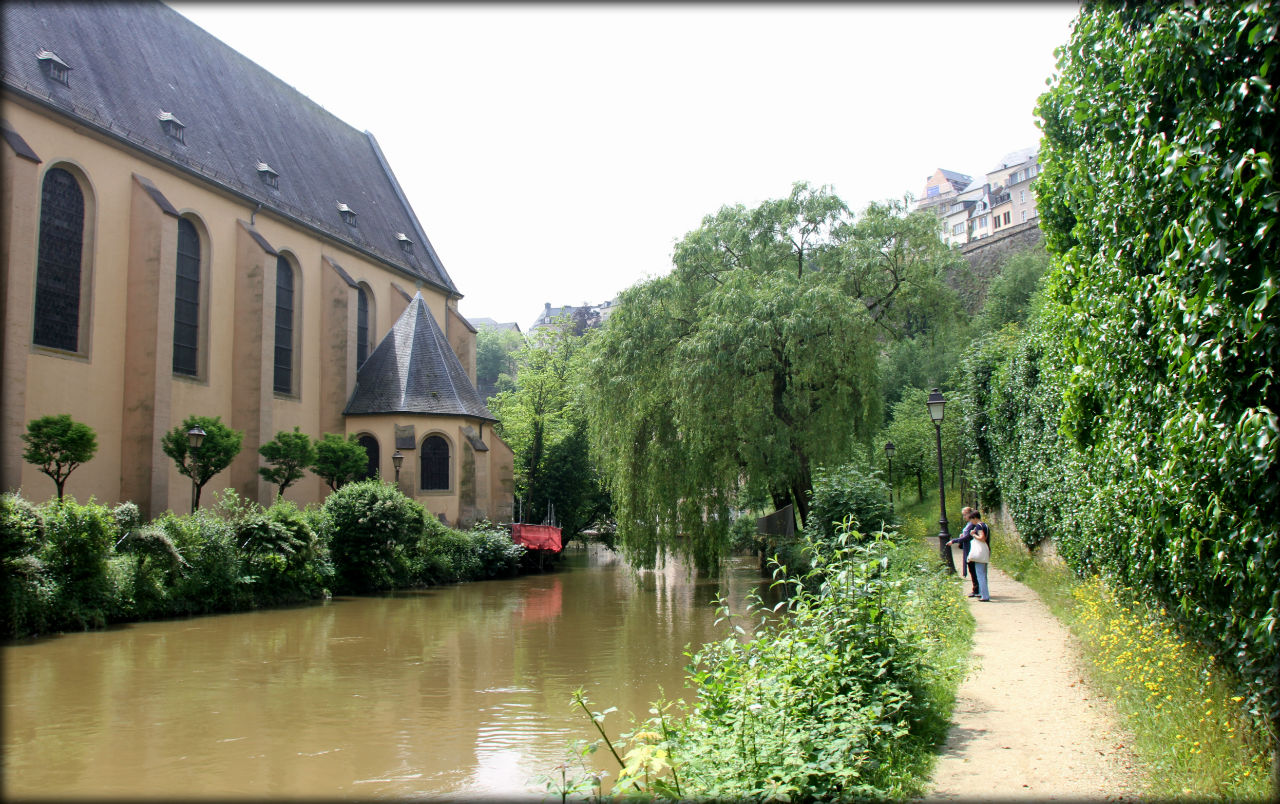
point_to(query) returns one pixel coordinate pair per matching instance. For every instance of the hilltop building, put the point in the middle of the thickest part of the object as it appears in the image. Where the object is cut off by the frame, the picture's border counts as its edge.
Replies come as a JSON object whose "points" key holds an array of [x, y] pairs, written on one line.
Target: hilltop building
{"points": [[592, 311], [985, 206], [184, 233]]}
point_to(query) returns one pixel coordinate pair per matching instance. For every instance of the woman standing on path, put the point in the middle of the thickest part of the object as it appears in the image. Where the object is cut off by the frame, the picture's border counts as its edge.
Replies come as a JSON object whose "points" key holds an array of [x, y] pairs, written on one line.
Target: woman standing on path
{"points": [[964, 540], [980, 552]]}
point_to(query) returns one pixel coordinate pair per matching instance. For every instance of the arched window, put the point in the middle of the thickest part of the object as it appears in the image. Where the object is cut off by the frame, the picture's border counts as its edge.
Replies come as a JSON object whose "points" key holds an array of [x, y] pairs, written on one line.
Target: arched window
{"points": [[284, 326], [370, 445], [362, 325], [186, 302], [435, 464], [59, 262]]}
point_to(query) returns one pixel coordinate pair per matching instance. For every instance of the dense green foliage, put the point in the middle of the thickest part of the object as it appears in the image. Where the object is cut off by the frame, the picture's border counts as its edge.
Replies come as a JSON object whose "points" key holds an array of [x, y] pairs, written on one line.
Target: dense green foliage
{"points": [[339, 460], [843, 697], [543, 421], [847, 494], [57, 445], [753, 363], [373, 528], [915, 440], [496, 359], [288, 456], [1136, 421], [69, 566], [220, 447]]}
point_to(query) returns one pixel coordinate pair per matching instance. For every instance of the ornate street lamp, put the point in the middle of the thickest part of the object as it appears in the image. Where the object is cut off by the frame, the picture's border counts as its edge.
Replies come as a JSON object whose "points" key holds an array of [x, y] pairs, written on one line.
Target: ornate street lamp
{"points": [[889, 449], [936, 403], [397, 460], [195, 438]]}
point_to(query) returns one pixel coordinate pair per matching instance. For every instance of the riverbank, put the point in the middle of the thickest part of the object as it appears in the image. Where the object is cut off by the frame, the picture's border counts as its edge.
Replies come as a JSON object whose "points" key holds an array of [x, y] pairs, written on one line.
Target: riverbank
{"points": [[68, 566]]}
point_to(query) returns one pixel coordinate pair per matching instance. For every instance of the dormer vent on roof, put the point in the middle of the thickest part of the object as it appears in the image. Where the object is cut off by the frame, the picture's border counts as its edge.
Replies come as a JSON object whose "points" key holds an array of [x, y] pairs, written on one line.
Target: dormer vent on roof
{"points": [[172, 126], [348, 215], [406, 245], [269, 177], [54, 67]]}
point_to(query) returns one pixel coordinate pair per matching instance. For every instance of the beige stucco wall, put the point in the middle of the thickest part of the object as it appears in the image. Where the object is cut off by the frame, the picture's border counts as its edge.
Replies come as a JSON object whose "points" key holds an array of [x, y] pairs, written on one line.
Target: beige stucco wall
{"points": [[120, 382], [467, 467]]}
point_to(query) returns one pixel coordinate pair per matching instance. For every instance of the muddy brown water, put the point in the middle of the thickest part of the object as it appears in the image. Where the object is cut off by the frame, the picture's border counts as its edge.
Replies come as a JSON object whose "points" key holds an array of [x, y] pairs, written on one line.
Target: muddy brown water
{"points": [[450, 691]]}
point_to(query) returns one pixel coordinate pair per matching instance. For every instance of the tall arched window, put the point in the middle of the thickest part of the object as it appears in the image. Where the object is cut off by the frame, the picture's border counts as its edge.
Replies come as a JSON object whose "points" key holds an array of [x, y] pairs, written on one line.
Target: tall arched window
{"points": [[59, 262], [370, 445], [362, 325], [284, 326], [435, 464], [186, 302]]}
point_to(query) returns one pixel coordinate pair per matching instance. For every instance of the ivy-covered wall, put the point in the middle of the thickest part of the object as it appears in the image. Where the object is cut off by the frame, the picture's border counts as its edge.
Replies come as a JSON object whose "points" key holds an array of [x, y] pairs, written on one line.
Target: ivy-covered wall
{"points": [[1135, 421]]}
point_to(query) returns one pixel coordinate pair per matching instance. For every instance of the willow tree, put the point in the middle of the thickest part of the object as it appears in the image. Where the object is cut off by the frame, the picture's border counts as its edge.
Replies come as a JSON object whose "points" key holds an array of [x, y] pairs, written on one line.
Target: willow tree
{"points": [[751, 364]]}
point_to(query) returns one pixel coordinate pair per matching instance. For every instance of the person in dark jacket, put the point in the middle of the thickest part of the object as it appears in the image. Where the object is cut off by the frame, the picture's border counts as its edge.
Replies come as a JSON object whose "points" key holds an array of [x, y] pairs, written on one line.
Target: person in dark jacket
{"points": [[964, 540]]}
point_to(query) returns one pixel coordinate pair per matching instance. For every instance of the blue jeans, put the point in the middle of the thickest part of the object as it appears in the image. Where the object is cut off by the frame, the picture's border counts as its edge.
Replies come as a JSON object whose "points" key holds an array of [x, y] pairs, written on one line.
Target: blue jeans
{"points": [[980, 570]]}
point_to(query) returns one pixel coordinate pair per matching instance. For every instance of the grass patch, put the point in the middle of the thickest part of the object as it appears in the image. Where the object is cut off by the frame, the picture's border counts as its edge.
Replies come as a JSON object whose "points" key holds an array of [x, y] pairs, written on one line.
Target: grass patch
{"points": [[1190, 731]]}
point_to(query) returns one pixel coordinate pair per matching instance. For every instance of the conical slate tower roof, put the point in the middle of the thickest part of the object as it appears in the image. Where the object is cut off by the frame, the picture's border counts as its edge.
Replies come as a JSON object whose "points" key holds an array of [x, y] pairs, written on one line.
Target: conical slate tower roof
{"points": [[414, 370]]}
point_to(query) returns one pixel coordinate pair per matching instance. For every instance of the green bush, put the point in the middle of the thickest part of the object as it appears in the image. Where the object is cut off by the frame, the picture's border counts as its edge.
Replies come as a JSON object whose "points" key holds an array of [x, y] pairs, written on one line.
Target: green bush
{"points": [[373, 530], [79, 539], [844, 492], [212, 581], [496, 554]]}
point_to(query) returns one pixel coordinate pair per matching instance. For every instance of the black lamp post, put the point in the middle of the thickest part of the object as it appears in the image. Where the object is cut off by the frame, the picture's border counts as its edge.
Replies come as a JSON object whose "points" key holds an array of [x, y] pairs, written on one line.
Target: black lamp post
{"points": [[397, 460], [889, 449], [195, 438], [936, 404]]}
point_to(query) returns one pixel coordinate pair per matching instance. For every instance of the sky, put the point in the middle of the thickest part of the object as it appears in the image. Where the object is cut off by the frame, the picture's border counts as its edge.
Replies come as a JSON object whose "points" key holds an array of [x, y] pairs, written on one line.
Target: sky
{"points": [[556, 153]]}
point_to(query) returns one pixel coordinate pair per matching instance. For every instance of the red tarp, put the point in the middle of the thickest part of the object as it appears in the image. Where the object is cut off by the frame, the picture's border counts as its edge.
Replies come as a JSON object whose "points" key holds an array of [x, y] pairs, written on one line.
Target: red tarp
{"points": [[536, 537]]}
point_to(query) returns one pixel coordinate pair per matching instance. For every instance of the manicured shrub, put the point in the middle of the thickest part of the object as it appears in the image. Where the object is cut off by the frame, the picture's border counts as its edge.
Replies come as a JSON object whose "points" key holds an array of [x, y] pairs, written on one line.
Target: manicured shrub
{"points": [[373, 529], [56, 445]]}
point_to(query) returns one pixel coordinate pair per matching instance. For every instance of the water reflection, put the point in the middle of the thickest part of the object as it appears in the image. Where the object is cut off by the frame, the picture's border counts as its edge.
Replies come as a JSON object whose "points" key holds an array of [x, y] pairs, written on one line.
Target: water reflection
{"points": [[435, 692]]}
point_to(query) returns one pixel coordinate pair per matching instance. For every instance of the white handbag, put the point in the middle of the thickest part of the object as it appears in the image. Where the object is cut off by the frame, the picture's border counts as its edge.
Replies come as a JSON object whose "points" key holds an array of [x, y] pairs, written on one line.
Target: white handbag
{"points": [[980, 552]]}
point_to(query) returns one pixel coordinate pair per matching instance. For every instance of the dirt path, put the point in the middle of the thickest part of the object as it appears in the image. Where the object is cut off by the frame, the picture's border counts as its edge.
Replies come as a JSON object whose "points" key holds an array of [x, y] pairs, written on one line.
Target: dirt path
{"points": [[1025, 724]]}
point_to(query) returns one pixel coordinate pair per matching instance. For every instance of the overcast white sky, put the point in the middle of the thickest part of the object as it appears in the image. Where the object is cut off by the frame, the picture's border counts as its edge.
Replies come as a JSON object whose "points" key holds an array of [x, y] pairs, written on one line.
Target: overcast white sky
{"points": [[556, 153]]}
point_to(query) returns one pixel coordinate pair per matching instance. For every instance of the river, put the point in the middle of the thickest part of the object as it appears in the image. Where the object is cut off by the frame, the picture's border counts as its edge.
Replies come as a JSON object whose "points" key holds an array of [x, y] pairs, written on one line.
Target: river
{"points": [[458, 690]]}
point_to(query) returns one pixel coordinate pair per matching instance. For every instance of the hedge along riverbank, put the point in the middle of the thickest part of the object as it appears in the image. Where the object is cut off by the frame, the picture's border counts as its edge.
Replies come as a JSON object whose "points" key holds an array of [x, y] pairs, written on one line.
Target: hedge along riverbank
{"points": [[1135, 421], [842, 693], [68, 566]]}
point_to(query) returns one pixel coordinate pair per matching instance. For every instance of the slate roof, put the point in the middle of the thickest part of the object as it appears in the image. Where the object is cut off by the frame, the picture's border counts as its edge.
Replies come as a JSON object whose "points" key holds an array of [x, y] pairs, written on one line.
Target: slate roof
{"points": [[413, 370], [132, 62], [1014, 158], [958, 180]]}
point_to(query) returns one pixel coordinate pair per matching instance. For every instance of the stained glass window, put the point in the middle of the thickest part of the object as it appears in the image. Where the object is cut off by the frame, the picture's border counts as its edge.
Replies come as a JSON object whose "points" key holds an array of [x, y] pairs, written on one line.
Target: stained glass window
{"points": [[58, 265], [435, 464], [362, 325], [284, 327], [186, 301], [370, 445]]}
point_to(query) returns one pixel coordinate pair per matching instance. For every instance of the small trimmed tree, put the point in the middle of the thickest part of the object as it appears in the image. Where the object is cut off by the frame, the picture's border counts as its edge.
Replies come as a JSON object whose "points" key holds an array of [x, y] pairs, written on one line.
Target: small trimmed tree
{"points": [[339, 460], [220, 447], [57, 445], [289, 455]]}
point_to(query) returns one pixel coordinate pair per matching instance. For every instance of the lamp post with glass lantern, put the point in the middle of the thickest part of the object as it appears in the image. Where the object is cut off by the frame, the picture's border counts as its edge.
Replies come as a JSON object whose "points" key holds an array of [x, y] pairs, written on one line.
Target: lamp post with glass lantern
{"points": [[936, 403], [195, 438], [397, 460], [889, 449]]}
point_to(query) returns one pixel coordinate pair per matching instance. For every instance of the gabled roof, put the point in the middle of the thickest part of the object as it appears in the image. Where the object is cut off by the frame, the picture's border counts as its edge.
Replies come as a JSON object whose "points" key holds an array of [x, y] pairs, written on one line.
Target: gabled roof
{"points": [[413, 370], [134, 61], [958, 180], [1014, 158]]}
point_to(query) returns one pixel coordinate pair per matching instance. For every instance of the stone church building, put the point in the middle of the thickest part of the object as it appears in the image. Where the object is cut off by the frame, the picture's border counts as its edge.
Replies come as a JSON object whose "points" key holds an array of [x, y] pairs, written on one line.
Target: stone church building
{"points": [[185, 234]]}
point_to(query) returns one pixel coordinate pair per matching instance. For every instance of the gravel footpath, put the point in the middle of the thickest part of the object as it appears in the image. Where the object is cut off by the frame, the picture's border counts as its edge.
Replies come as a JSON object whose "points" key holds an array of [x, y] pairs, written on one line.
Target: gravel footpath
{"points": [[1025, 724]]}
